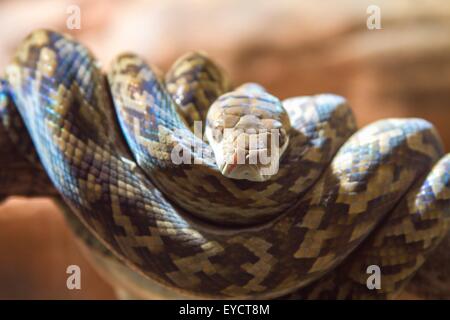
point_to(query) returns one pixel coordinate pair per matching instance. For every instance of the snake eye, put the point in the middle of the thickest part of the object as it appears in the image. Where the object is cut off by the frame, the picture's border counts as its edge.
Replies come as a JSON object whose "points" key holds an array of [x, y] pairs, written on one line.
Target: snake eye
{"points": [[217, 133], [230, 121]]}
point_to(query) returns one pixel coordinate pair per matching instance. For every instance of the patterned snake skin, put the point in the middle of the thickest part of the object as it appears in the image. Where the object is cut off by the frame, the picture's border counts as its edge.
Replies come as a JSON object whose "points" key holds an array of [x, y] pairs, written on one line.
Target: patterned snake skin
{"points": [[342, 200]]}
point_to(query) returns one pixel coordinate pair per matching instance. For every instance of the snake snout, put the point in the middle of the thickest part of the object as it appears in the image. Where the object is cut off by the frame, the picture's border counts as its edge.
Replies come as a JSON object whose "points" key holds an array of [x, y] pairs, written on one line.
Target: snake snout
{"points": [[252, 154]]}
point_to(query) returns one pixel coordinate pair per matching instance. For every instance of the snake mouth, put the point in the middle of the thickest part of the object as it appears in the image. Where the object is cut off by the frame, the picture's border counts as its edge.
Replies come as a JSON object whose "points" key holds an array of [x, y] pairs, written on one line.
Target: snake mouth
{"points": [[242, 171], [251, 164]]}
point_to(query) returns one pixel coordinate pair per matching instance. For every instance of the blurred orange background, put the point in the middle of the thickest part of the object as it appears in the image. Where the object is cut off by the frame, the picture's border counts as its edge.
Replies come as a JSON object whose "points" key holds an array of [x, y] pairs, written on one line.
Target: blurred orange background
{"points": [[291, 47]]}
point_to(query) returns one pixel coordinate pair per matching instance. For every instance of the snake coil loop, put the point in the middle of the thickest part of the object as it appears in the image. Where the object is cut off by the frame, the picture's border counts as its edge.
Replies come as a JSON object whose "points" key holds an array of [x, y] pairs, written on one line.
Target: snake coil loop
{"points": [[342, 200]]}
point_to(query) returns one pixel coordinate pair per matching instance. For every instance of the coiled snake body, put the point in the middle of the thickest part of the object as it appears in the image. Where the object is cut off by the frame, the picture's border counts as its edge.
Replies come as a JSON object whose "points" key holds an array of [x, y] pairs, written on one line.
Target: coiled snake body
{"points": [[341, 201]]}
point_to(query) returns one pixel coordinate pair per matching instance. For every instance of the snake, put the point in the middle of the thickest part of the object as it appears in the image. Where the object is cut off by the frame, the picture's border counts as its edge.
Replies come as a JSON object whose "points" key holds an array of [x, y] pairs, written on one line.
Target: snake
{"points": [[124, 149]]}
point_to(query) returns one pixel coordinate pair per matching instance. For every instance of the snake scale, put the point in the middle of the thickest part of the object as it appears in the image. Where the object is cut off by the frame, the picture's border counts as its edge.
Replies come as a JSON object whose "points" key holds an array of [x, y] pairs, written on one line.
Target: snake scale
{"points": [[342, 200]]}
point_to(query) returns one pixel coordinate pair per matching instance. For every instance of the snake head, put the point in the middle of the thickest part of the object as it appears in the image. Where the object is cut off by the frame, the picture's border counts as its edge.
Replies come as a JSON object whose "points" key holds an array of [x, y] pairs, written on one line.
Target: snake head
{"points": [[248, 132]]}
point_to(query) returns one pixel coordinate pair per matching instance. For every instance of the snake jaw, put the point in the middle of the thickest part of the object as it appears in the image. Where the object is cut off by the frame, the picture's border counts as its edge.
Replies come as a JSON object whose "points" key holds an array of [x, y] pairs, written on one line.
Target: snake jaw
{"points": [[232, 169]]}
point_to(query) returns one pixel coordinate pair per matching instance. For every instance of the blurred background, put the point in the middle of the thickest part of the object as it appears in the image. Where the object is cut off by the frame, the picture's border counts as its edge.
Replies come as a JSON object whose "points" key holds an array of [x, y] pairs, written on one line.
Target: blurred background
{"points": [[290, 47]]}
